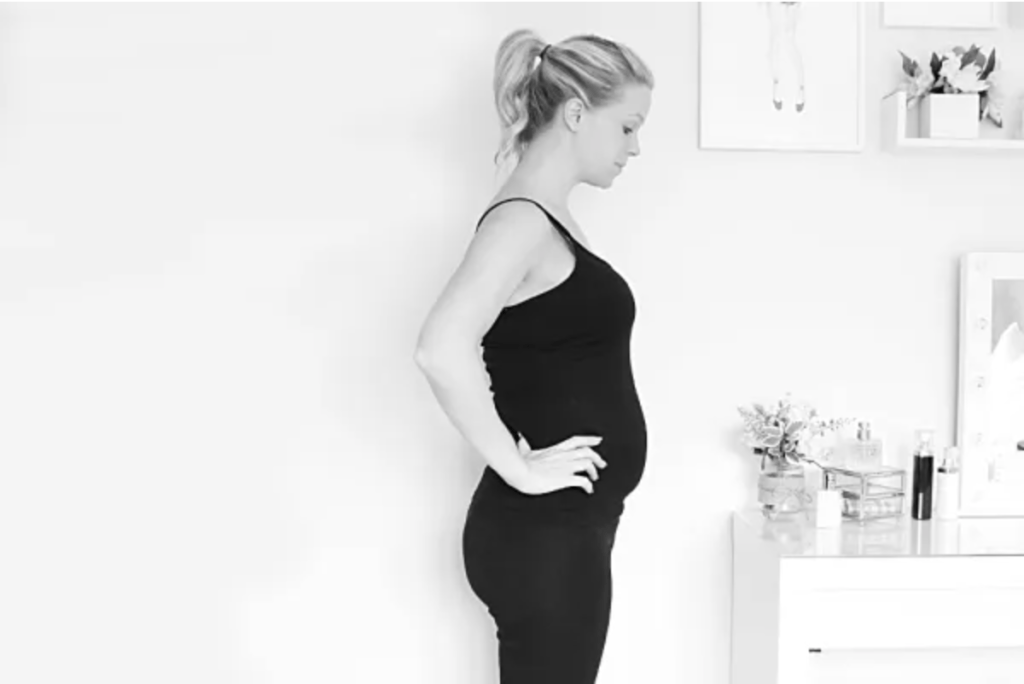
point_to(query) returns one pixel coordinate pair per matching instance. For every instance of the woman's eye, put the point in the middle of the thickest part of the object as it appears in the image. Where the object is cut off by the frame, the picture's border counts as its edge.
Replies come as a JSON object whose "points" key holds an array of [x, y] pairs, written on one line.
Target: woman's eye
{"points": [[627, 130]]}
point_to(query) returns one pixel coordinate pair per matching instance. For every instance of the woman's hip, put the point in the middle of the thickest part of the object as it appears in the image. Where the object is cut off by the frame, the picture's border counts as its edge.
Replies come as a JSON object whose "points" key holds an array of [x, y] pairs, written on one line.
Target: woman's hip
{"points": [[514, 564]]}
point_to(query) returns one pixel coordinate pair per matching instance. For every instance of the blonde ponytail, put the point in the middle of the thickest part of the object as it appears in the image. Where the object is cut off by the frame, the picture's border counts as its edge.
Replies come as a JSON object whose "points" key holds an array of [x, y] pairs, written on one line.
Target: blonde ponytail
{"points": [[514, 66]]}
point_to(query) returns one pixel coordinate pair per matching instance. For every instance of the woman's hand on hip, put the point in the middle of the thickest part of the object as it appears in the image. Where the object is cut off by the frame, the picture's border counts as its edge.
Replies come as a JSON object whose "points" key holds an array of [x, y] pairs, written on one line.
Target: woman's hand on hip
{"points": [[556, 467]]}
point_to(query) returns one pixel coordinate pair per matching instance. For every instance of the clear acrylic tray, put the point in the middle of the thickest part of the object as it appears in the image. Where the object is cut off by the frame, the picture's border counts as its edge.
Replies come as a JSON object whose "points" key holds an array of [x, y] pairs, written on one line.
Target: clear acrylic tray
{"points": [[869, 494]]}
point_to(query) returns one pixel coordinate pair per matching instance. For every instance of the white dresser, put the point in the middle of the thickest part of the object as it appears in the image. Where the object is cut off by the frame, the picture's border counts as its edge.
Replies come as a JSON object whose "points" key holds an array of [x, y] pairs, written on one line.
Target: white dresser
{"points": [[897, 600]]}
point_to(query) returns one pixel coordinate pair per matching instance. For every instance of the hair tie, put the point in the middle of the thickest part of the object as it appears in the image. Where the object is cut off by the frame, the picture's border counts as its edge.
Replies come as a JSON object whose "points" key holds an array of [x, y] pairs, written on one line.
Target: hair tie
{"points": [[544, 51]]}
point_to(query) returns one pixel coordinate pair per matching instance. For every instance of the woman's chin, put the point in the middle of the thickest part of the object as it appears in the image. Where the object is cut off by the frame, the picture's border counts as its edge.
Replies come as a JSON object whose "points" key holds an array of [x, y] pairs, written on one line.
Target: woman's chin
{"points": [[603, 183]]}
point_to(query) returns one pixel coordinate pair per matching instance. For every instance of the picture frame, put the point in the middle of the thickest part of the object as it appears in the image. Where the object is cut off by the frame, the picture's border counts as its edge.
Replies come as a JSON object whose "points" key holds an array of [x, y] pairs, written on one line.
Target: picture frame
{"points": [[786, 76], [954, 15], [990, 412]]}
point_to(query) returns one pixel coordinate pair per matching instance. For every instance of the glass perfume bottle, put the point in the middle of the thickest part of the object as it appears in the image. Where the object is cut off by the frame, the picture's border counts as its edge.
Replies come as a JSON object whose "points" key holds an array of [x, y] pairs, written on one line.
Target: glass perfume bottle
{"points": [[864, 452]]}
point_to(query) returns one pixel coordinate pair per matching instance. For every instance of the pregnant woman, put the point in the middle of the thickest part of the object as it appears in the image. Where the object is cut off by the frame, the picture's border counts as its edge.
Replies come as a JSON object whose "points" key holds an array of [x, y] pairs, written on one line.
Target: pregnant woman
{"points": [[563, 436]]}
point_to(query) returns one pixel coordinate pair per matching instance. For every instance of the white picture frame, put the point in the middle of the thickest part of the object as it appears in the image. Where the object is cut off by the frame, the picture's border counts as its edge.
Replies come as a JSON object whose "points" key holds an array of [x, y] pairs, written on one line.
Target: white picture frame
{"points": [[954, 15], [782, 76], [990, 415]]}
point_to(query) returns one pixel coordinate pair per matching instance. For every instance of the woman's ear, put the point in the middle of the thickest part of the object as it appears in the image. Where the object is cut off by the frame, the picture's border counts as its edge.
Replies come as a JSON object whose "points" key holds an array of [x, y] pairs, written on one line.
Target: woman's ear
{"points": [[572, 113]]}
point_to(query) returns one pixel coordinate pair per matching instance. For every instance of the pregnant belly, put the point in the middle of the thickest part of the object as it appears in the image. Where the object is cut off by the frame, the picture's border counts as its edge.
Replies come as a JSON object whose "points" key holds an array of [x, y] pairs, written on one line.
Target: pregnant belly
{"points": [[619, 422]]}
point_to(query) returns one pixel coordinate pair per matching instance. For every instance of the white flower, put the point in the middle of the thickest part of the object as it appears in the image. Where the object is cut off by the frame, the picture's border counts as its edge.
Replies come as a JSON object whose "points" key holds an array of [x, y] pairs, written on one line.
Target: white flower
{"points": [[950, 67], [966, 80]]}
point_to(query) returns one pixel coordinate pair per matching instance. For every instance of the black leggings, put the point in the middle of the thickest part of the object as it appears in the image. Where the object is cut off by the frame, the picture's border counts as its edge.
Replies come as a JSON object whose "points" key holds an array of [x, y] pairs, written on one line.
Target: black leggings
{"points": [[548, 587]]}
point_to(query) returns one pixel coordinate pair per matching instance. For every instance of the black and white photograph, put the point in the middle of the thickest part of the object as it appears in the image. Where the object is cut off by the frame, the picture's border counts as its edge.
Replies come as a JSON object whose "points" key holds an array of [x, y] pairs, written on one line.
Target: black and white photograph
{"points": [[511, 342], [781, 75]]}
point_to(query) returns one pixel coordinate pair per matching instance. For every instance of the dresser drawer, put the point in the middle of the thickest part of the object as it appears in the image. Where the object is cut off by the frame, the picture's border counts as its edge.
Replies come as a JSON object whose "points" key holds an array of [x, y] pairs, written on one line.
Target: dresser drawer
{"points": [[928, 602], [882, 572], [908, 618]]}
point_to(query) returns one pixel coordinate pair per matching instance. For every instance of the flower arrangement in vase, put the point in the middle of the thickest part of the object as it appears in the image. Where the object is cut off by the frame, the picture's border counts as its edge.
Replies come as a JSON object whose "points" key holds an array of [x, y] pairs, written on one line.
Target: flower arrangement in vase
{"points": [[782, 436], [959, 71]]}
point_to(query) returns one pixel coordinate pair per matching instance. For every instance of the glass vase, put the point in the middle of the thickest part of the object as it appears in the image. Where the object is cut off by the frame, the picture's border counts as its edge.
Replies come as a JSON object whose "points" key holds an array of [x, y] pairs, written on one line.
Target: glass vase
{"points": [[782, 488]]}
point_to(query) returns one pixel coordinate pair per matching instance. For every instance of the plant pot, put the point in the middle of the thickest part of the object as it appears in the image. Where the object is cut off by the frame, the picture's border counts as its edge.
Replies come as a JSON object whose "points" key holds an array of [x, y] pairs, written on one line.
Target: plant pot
{"points": [[782, 489], [950, 115]]}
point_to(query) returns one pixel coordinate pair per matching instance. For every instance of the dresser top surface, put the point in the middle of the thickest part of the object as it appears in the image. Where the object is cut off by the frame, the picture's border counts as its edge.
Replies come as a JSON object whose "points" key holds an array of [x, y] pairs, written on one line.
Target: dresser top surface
{"points": [[899, 537]]}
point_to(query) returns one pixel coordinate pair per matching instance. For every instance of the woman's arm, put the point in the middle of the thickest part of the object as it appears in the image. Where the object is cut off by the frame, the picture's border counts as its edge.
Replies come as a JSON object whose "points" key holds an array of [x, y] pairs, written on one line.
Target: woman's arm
{"points": [[509, 242]]}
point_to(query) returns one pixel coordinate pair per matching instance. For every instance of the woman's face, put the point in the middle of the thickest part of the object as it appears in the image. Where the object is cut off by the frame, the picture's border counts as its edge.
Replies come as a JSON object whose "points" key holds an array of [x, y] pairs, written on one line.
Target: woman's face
{"points": [[608, 136]]}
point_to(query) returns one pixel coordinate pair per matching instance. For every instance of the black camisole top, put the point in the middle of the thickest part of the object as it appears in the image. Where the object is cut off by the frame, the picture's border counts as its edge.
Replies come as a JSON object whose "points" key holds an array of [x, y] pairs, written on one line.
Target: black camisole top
{"points": [[559, 365]]}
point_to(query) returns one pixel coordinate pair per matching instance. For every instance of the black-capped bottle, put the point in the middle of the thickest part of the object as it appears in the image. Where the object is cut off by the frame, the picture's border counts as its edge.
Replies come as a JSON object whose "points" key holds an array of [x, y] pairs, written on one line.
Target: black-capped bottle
{"points": [[924, 469]]}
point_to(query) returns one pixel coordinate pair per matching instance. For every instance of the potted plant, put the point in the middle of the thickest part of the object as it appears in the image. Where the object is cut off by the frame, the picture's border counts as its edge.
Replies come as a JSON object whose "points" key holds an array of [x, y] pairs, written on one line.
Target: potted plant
{"points": [[955, 91], [781, 436]]}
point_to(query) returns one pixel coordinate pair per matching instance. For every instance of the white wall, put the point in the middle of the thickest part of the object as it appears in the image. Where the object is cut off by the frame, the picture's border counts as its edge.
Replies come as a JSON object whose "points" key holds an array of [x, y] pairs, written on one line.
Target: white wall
{"points": [[221, 227]]}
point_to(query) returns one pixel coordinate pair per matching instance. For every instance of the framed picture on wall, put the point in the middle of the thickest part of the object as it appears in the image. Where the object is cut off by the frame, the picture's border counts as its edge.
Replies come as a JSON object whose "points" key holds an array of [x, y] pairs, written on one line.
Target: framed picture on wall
{"points": [[990, 416], [963, 15], [782, 76]]}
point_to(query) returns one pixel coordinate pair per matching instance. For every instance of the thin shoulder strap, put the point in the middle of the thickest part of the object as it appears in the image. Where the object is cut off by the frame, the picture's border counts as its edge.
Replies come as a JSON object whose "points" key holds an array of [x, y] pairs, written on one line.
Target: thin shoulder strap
{"points": [[555, 222]]}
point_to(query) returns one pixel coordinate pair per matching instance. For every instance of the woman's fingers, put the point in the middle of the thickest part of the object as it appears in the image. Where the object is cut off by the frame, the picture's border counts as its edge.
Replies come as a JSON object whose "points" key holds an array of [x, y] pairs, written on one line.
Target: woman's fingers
{"points": [[578, 441], [587, 465], [597, 458], [589, 454], [584, 483], [583, 453]]}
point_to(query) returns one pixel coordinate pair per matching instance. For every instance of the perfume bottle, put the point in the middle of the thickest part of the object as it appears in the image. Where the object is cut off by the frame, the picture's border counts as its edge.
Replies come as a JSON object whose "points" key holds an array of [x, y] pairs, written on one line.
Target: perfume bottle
{"points": [[924, 468], [865, 452], [947, 485]]}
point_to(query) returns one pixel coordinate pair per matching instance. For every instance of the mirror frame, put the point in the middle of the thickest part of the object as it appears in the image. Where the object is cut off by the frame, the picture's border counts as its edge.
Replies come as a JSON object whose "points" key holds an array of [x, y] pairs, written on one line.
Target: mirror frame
{"points": [[989, 487]]}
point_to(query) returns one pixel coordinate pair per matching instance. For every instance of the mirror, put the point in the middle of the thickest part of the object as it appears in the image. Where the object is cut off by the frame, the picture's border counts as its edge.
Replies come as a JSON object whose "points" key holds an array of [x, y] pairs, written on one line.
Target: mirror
{"points": [[990, 416]]}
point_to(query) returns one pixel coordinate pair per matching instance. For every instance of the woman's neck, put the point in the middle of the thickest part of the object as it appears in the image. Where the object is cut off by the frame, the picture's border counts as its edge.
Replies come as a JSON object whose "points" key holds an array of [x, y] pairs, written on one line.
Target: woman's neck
{"points": [[546, 174]]}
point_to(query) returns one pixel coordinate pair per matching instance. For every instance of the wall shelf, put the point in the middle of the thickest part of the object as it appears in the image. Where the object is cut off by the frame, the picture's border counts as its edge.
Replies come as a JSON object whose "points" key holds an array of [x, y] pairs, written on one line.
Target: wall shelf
{"points": [[901, 132]]}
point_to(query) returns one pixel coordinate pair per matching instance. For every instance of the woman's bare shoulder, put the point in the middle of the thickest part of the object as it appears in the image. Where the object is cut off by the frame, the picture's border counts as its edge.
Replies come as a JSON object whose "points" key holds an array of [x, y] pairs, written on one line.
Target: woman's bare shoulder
{"points": [[515, 222], [511, 239]]}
